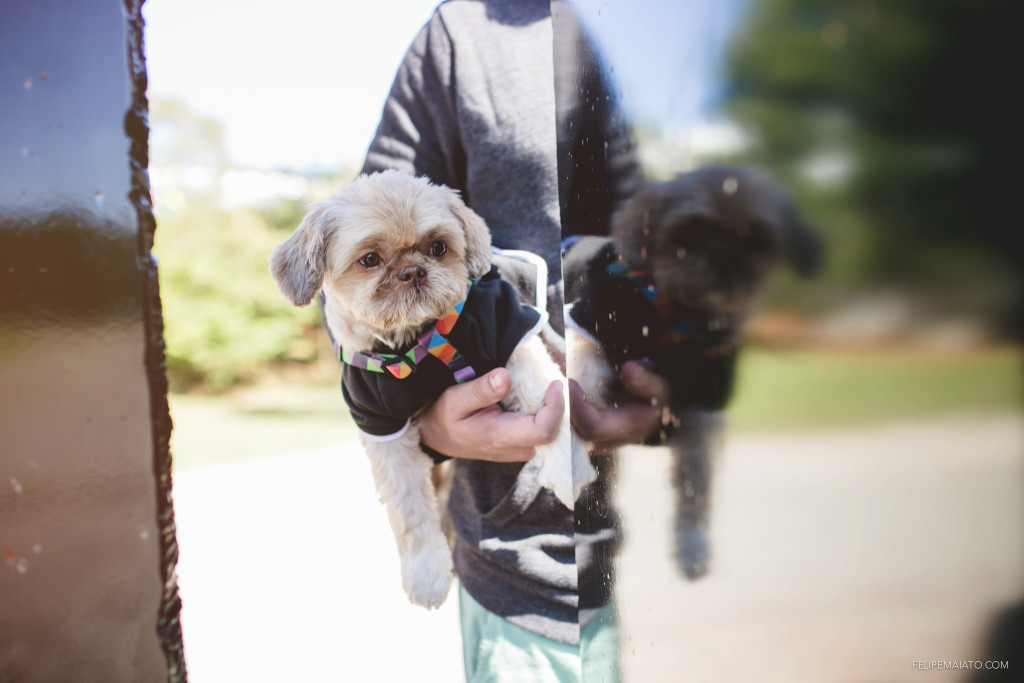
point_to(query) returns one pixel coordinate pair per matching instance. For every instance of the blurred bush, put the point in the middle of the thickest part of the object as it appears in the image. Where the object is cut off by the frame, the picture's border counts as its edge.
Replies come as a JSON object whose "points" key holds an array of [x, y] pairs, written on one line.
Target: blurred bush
{"points": [[225, 321], [879, 117]]}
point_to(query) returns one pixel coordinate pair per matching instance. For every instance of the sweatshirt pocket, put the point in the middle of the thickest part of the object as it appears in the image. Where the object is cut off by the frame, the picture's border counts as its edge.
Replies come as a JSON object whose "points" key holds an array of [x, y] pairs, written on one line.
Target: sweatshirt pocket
{"points": [[516, 501]]}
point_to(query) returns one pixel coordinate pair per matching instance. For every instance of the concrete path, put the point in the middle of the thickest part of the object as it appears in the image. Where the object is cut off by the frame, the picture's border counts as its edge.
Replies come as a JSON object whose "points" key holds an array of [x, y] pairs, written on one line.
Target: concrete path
{"points": [[288, 574], [840, 556]]}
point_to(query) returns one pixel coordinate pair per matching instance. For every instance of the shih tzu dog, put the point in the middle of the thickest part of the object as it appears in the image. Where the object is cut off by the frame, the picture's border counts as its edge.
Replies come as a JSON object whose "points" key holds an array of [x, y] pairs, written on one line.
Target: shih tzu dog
{"points": [[414, 306], [673, 289]]}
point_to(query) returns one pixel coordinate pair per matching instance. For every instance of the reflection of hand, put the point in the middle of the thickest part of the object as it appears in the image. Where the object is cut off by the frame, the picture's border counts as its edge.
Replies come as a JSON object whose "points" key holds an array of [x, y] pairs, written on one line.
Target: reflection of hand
{"points": [[636, 416], [467, 422]]}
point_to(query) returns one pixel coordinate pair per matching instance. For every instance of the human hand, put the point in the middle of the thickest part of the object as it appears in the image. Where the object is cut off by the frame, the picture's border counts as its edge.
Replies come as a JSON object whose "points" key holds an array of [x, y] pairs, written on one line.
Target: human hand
{"points": [[467, 422], [632, 417]]}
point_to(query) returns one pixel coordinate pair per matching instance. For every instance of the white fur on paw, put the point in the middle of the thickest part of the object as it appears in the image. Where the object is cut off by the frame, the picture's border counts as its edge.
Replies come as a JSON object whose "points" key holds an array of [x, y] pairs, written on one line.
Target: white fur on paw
{"points": [[556, 471], [693, 551], [583, 472], [427, 575]]}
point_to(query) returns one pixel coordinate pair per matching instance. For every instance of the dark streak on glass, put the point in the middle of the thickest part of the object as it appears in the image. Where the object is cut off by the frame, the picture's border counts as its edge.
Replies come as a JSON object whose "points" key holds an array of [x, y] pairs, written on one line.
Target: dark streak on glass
{"points": [[137, 128]]}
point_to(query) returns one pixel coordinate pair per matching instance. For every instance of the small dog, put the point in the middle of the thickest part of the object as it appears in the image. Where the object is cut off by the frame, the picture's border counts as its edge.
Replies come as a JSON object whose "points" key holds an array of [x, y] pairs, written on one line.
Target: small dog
{"points": [[411, 300], [674, 287]]}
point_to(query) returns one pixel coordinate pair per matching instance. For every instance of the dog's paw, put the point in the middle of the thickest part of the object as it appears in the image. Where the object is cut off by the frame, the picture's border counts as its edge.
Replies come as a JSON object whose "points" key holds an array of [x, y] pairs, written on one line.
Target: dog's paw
{"points": [[556, 470], [583, 472], [693, 551], [427, 575]]}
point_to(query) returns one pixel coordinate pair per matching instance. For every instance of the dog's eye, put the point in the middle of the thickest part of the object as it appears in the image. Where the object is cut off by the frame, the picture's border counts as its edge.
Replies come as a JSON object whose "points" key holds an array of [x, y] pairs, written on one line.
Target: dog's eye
{"points": [[370, 260], [438, 249]]}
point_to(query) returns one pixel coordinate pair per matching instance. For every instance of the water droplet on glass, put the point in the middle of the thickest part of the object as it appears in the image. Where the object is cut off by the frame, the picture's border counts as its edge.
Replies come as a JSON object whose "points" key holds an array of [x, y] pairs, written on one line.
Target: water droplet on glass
{"points": [[645, 331], [27, 83], [22, 565], [37, 548], [680, 253], [10, 557], [730, 185], [16, 485], [45, 75], [143, 532], [98, 197]]}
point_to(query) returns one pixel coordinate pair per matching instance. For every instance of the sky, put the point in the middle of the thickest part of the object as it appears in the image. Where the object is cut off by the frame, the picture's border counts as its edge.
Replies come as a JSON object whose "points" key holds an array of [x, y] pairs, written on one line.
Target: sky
{"points": [[300, 85], [666, 55], [297, 84]]}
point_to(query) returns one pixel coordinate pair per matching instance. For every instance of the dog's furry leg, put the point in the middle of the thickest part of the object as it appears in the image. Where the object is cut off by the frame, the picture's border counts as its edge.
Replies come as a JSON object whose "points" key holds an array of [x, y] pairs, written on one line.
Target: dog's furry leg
{"points": [[693, 446], [441, 477], [589, 368], [532, 371], [402, 473]]}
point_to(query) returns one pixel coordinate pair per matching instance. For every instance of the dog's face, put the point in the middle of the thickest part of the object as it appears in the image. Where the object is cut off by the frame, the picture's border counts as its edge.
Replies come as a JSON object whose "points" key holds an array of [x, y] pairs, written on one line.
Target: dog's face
{"points": [[391, 252], [711, 237]]}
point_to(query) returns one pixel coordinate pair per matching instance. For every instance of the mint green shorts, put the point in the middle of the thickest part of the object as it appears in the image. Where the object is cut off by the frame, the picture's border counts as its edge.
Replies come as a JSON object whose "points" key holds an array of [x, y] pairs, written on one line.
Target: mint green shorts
{"points": [[496, 651]]}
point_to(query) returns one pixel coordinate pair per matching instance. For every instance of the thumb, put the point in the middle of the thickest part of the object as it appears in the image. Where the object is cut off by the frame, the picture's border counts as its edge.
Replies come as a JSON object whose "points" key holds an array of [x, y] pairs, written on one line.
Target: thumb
{"points": [[482, 392]]}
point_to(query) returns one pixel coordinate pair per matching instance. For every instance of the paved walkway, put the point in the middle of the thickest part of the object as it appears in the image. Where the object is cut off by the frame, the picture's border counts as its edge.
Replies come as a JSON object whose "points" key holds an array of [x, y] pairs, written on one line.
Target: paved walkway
{"points": [[288, 574], [840, 556]]}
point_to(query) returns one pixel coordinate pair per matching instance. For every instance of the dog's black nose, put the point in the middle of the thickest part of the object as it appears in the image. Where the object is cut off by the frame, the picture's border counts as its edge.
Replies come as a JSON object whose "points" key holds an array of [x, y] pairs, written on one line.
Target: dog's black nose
{"points": [[412, 274]]}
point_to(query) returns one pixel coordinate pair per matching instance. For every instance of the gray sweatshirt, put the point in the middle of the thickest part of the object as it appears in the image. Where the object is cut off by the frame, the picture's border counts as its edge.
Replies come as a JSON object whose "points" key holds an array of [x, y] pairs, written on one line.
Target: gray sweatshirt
{"points": [[473, 107]]}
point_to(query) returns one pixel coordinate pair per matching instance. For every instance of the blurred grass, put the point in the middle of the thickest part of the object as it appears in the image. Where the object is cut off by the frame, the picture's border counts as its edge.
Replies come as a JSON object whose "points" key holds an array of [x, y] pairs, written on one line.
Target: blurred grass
{"points": [[788, 390], [778, 390], [271, 419]]}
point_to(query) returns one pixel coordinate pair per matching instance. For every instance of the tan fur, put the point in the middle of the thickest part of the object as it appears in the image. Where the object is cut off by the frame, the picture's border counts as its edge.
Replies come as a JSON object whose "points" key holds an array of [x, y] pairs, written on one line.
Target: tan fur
{"points": [[398, 217]]}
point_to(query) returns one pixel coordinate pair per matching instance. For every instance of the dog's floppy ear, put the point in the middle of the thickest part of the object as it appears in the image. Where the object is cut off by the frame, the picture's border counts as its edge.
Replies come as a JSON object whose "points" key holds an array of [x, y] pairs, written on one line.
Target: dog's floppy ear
{"points": [[478, 238], [631, 229], [802, 246], [298, 263]]}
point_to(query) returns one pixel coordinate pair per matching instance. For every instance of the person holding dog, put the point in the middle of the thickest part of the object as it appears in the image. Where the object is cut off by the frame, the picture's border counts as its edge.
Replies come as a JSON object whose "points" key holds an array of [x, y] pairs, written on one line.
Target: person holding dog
{"points": [[474, 106]]}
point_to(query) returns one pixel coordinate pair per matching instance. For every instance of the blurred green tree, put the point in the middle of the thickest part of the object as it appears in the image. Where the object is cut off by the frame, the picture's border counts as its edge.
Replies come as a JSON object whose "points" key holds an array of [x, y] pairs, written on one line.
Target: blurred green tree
{"points": [[225, 321], [890, 119]]}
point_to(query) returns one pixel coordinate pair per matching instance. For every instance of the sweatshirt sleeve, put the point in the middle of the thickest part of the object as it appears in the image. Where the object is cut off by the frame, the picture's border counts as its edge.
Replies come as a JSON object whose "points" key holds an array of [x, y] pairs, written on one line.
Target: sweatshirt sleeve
{"points": [[418, 131]]}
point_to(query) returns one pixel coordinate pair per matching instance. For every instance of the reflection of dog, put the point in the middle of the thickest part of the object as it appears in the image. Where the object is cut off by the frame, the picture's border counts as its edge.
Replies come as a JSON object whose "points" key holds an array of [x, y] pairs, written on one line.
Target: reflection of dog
{"points": [[414, 306], [688, 257]]}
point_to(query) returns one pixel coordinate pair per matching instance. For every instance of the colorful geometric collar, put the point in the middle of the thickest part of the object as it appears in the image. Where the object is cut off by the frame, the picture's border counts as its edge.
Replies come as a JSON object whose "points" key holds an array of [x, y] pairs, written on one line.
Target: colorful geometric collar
{"points": [[432, 342], [680, 324]]}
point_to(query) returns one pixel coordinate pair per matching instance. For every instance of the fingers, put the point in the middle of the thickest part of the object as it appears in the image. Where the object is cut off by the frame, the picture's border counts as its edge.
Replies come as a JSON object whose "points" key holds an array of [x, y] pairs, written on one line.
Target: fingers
{"points": [[612, 427], [584, 417], [644, 384], [462, 400], [493, 434], [513, 430], [629, 421], [549, 418], [466, 421]]}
